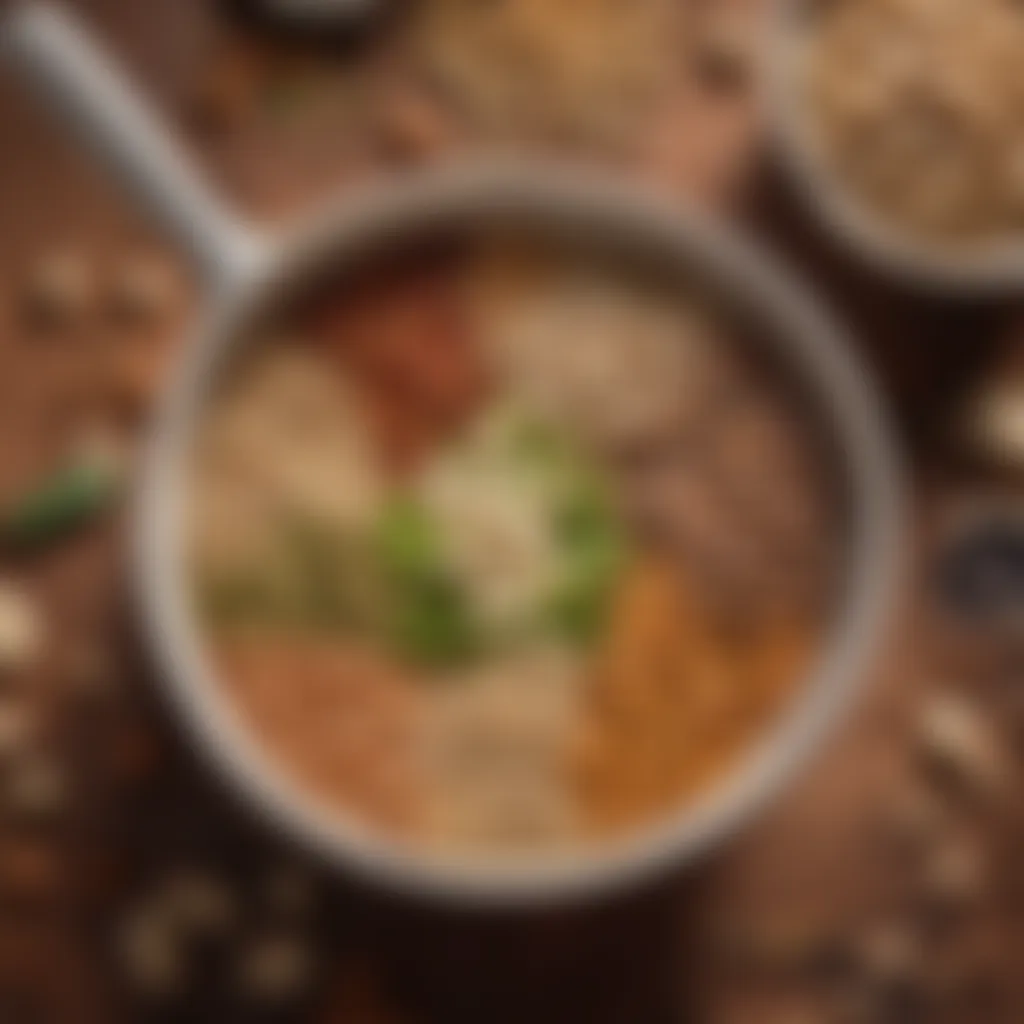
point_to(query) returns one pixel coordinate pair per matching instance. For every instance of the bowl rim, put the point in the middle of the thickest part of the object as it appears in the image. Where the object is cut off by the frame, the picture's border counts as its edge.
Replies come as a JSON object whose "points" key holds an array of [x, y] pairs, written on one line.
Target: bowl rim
{"points": [[992, 268], [686, 237]]}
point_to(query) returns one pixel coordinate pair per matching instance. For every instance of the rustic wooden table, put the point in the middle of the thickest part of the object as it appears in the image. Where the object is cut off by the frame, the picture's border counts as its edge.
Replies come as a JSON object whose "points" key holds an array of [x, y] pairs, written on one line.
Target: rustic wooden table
{"points": [[137, 807]]}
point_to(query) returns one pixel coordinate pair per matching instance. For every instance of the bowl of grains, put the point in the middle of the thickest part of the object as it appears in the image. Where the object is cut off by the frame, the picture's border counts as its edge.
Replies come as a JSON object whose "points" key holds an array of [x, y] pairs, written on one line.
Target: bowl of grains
{"points": [[904, 121]]}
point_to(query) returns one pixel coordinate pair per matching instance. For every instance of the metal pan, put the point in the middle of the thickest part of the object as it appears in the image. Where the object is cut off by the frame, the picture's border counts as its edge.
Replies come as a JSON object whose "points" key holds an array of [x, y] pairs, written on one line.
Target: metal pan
{"points": [[247, 272]]}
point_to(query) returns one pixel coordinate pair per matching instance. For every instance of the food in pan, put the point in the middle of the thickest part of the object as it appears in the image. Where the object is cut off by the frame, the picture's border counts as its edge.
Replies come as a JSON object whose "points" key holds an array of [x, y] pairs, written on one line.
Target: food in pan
{"points": [[504, 547]]}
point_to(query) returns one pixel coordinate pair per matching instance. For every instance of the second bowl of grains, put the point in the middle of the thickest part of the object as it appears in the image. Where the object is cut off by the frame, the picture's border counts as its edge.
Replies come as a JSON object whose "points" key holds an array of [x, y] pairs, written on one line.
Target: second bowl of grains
{"points": [[904, 120]]}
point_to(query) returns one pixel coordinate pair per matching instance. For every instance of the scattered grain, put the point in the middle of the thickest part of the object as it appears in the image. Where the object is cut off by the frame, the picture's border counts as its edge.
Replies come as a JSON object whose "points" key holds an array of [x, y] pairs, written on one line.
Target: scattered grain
{"points": [[961, 745], [198, 903], [21, 629], [995, 427], [275, 968], [151, 955]]}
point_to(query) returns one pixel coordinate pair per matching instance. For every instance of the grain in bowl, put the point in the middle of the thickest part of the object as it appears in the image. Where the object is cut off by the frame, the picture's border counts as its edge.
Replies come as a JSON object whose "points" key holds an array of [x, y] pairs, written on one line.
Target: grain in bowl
{"points": [[915, 109], [505, 546]]}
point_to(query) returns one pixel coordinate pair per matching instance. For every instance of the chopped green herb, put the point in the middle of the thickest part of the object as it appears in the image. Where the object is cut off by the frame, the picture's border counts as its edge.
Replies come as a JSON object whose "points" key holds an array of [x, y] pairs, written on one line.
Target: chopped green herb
{"points": [[407, 541], [594, 555], [432, 624], [429, 618]]}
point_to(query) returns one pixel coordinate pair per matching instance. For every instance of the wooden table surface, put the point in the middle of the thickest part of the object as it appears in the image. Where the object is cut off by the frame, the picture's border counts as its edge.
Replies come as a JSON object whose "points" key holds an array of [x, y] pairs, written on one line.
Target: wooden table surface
{"points": [[140, 806]]}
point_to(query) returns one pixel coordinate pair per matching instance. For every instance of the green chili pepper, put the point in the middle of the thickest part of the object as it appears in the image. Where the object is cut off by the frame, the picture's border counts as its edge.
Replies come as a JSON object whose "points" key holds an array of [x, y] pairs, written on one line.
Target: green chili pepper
{"points": [[69, 499]]}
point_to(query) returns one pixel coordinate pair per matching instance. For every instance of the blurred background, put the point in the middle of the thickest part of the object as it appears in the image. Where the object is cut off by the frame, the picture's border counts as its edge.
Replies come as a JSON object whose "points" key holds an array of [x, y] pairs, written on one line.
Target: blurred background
{"points": [[884, 886]]}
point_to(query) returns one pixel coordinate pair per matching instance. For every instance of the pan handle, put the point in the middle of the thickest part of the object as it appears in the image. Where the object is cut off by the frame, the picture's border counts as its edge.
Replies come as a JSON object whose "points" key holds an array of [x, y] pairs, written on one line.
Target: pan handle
{"points": [[55, 55]]}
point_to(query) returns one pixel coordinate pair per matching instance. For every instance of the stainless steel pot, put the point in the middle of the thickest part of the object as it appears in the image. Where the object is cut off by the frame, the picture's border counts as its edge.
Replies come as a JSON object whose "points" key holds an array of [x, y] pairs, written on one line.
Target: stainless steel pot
{"points": [[246, 271]]}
